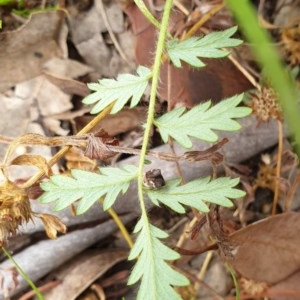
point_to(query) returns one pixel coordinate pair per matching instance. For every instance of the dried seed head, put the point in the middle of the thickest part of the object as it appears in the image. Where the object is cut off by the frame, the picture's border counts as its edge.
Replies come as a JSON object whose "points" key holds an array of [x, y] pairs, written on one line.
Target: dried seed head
{"points": [[290, 39], [265, 105], [253, 287], [15, 209]]}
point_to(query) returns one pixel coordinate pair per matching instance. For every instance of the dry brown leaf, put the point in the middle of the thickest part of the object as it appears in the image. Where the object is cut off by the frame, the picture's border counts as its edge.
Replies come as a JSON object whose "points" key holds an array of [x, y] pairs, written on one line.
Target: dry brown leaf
{"points": [[75, 159], [287, 289], [52, 225], [81, 272], [50, 98], [66, 67], [268, 250], [123, 121], [15, 116], [86, 28], [24, 51], [67, 85]]}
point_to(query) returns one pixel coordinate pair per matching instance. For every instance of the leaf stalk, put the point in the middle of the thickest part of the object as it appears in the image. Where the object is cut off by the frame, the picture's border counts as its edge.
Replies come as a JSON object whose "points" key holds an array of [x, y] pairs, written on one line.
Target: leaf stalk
{"points": [[150, 117]]}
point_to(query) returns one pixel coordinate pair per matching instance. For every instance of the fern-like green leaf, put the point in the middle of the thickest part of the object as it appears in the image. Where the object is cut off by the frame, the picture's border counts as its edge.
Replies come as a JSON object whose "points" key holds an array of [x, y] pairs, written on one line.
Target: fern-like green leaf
{"points": [[125, 87], [191, 49], [200, 121], [87, 187], [196, 193], [157, 277]]}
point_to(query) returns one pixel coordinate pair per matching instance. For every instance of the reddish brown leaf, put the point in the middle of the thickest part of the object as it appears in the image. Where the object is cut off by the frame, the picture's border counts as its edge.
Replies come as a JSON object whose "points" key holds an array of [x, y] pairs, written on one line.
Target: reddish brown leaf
{"points": [[287, 289], [188, 86], [210, 154], [267, 250]]}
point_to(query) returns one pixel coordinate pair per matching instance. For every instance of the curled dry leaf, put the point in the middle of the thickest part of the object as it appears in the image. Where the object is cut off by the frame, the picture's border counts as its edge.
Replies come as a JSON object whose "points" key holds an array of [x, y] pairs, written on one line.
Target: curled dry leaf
{"points": [[266, 251], [52, 225], [210, 154], [97, 143], [32, 160]]}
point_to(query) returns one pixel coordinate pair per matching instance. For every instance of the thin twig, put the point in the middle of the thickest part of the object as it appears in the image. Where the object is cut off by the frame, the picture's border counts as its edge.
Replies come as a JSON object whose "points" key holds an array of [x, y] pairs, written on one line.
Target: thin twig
{"points": [[203, 20], [89, 140], [278, 168], [47, 286], [121, 226], [245, 72], [5, 139], [181, 7], [203, 283], [203, 269], [111, 33]]}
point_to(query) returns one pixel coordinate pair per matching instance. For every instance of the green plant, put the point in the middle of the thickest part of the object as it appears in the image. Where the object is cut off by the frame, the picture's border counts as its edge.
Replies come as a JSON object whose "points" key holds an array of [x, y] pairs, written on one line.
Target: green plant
{"points": [[156, 275], [7, 2]]}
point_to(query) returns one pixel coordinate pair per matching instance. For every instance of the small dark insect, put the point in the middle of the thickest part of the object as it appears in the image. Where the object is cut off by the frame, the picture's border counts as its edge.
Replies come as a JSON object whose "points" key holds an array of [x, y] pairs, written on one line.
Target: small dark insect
{"points": [[153, 179], [38, 54]]}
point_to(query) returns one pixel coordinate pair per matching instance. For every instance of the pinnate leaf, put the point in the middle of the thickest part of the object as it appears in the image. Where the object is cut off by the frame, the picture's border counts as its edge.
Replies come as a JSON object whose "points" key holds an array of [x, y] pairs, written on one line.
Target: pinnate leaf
{"points": [[87, 187], [196, 193], [199, 122], [120, 90], [157, 277], [209, 46]]}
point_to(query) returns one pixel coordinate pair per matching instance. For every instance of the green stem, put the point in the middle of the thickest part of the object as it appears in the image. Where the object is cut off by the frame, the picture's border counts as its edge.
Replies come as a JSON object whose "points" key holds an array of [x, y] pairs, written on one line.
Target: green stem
{"points": [[151, 109], [24, 275], [267, 56], [143, 8], [236, 285]]}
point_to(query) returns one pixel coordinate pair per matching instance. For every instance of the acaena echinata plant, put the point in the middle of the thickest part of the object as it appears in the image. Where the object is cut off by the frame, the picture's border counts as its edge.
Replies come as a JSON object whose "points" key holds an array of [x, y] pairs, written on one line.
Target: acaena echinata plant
{"points": [[157, 278]]}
